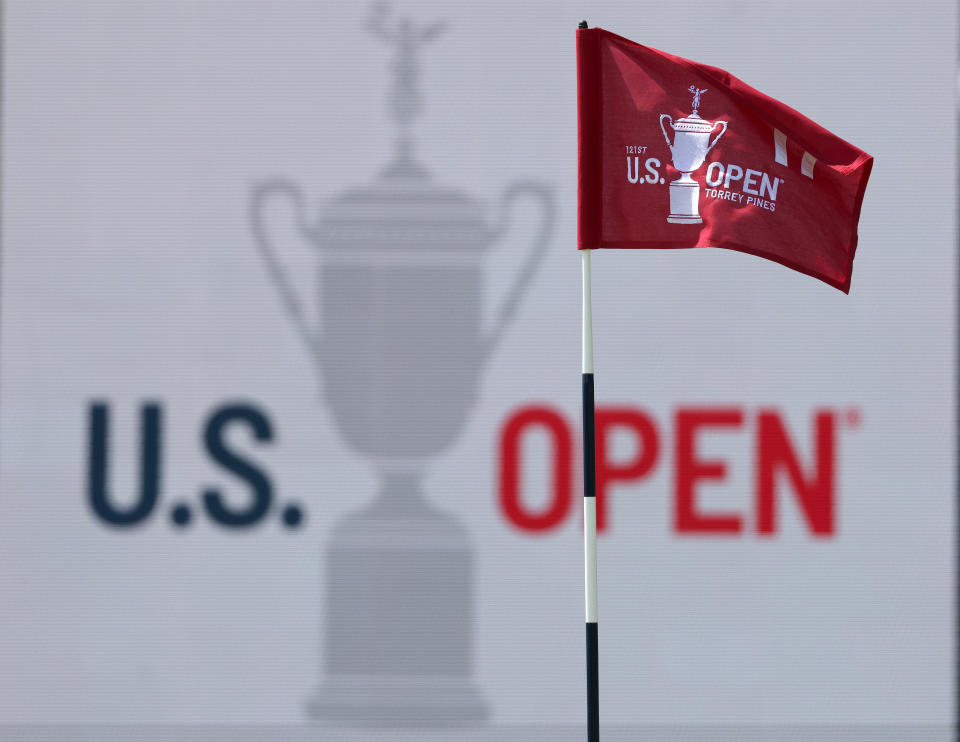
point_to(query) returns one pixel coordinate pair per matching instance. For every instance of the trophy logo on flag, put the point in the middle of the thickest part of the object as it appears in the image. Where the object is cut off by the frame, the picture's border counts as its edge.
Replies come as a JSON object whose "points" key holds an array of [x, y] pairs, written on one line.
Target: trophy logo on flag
{"points": [[400, 347], [690, 147]]}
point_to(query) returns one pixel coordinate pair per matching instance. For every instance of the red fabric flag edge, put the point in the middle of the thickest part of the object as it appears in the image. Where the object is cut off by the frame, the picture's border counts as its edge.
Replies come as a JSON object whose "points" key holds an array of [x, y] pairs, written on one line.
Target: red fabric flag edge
{"points": [[589, 182]]}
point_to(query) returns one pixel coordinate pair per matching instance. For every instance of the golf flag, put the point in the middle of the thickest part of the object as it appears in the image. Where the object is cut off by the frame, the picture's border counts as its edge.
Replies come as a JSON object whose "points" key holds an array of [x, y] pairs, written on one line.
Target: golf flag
{"points": [[675, 154]]}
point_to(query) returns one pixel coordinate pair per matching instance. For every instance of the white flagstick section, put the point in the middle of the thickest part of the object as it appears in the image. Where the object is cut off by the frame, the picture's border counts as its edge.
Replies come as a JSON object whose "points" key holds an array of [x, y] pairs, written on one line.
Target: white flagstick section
{"points": [[587, 314], [590, 555]]}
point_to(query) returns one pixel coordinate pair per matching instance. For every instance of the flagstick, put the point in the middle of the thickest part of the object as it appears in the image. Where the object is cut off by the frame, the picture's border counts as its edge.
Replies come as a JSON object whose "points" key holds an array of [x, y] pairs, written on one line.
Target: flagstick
{"points": [[590, 510]]}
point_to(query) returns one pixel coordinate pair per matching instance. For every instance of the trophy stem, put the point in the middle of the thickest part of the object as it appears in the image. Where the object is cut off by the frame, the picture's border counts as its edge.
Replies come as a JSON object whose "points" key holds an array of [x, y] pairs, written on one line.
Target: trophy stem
{"points": [[400, 493]]}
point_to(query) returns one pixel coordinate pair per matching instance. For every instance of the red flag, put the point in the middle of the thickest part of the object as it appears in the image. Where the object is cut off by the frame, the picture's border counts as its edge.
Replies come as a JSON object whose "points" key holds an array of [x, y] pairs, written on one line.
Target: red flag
{"points": [[674, 153]]}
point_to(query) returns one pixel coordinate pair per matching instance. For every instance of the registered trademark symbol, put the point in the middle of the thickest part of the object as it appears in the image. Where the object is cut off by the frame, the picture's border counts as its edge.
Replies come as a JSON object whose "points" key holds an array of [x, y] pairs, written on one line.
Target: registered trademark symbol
{"points": [[852, 416]]}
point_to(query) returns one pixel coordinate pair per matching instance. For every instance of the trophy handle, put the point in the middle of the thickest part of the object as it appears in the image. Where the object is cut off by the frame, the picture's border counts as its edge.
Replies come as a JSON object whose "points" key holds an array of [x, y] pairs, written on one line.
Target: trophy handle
{"points": [[717, 137], [508, 308], [663, 129], [261, 195]]}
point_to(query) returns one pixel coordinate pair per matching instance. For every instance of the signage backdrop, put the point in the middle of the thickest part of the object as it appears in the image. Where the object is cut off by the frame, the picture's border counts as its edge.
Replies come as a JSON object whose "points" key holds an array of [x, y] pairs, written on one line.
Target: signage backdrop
{"points": [[289, 384]]}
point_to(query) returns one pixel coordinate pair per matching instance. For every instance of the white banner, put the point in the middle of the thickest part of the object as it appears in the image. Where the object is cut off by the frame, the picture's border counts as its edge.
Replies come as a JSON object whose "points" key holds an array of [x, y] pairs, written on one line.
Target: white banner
{"points": [[289, 386]]}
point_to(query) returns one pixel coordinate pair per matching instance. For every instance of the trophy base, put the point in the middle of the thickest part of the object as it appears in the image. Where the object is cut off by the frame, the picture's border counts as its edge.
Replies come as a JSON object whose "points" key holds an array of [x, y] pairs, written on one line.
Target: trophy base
{"points": [[410, 701], [399, 622], [684, 201]]}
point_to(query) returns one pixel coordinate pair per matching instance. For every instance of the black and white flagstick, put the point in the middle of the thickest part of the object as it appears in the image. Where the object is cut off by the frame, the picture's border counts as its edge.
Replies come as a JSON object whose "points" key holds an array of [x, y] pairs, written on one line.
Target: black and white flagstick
{"points": [[589, 510], [589, 505]]}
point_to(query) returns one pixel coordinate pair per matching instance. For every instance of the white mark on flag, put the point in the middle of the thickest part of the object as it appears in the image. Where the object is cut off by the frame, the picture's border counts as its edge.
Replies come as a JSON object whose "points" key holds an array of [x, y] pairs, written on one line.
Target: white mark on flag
{"points": [[780, 145]]}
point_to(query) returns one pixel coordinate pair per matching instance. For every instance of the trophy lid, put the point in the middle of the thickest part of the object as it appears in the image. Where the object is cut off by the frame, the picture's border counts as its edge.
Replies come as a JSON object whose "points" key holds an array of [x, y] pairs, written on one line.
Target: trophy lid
{"points": [[403, 210], [693, 122]]}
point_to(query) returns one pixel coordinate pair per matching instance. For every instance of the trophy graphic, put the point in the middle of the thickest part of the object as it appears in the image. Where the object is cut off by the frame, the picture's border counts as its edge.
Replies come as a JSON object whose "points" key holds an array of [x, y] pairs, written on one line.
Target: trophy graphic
{"points": [[691, 144], [399, 349]]}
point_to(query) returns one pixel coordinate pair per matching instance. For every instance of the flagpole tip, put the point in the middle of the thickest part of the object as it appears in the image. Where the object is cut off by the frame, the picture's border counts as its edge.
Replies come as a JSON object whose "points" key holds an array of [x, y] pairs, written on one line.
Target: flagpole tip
{"points": [[583, 24]]}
